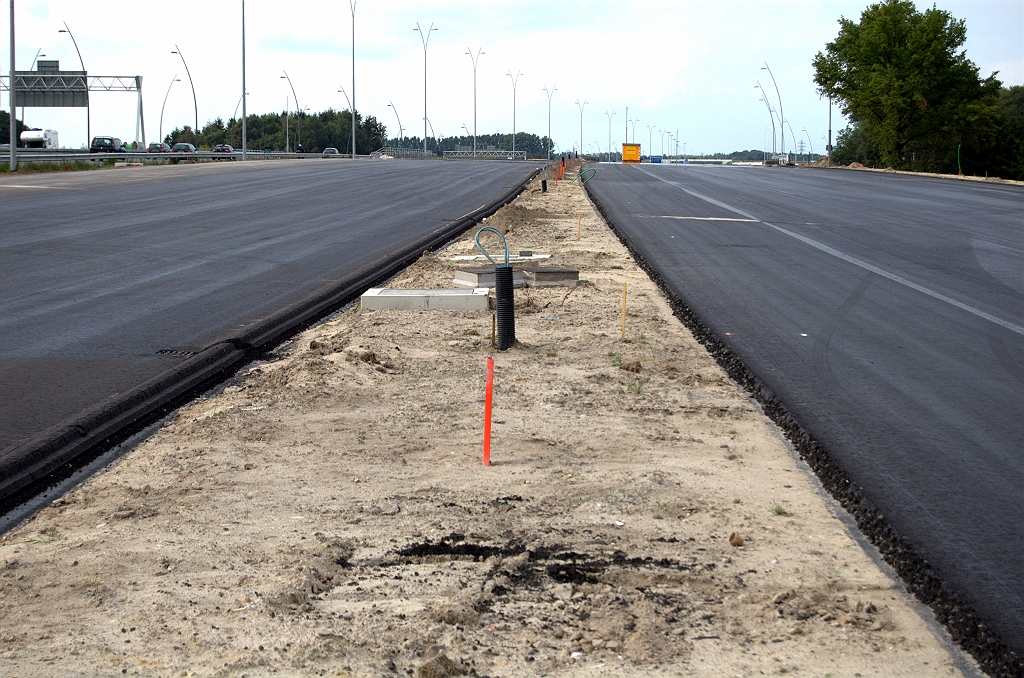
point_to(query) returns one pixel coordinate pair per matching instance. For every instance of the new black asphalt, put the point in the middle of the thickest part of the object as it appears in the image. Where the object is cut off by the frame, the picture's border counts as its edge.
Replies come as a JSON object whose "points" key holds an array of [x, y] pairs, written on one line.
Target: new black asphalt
{"points": [[886, 314], [111, 277]]}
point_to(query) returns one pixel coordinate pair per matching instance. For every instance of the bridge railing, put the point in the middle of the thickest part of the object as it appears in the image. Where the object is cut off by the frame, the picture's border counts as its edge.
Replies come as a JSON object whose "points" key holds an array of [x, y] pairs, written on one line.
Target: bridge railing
{"points": [[487, 155], [396, 152]]}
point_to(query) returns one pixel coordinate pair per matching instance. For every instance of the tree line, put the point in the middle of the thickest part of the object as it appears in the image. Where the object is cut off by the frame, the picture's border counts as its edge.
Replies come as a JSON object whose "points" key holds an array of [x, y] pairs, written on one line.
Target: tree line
{"points": [[322, 130], [535, 146], [914, 99]]}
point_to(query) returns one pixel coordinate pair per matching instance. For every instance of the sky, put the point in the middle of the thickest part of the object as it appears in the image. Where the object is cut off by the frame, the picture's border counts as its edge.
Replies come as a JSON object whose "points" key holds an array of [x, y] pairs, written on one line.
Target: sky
{"points": [[687, 67]]}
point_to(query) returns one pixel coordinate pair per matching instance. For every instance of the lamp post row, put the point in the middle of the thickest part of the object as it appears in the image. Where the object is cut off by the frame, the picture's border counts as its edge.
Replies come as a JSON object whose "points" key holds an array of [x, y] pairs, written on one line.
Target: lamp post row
{"points": [[425, 37]]}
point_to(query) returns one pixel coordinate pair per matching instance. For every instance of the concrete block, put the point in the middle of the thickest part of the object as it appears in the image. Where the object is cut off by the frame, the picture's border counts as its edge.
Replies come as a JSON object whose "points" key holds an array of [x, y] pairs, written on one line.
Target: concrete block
{"points": [[524, 255], [550, 276], [484, 277], [407, 300]]}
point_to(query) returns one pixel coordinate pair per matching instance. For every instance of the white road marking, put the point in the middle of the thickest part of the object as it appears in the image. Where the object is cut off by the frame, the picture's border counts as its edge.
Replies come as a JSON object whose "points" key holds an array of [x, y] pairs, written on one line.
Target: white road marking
{"points": [[26, 186], [654, 216], [852, 260]]}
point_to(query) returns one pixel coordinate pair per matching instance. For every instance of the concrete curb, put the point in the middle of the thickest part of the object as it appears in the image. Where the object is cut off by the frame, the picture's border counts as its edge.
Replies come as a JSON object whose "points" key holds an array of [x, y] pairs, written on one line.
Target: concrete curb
{"points": [[26, 468]]}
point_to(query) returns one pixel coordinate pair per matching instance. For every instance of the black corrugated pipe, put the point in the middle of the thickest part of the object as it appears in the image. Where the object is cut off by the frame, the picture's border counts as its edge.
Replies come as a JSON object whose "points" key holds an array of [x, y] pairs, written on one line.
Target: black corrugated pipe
{"points": [[504, 293]]}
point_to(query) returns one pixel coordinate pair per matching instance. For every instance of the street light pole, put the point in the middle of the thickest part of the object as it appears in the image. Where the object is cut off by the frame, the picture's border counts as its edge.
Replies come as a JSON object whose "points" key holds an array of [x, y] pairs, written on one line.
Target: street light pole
{"points": [[764, 98], [298, 110], [13, 127], [400, 137], [88, 108], [582, 106], [635, 121], [244, 145], [476, 60], [39, 52], [610, 134], [173, 80], [829, 149], [425, 39], [809, 142], [650, 141], [782, 116], [195, 101], [515, 80], [352, 6], [550, 94]]}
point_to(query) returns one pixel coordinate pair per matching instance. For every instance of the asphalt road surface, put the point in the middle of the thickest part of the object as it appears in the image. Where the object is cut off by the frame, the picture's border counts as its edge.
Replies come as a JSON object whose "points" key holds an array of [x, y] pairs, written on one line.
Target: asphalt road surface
{"points": [[104, 270], [886, 312]]}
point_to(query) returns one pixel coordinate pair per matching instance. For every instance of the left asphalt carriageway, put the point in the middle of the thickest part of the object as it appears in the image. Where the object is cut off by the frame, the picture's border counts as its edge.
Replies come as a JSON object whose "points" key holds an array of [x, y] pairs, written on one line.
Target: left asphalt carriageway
{"points": [[112, 277]]}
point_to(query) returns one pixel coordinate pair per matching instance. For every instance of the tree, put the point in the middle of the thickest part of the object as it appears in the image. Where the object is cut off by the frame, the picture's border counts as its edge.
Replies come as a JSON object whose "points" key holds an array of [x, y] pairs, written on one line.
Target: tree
{"points": [[267, 132], [901, 77], [5, 128]]}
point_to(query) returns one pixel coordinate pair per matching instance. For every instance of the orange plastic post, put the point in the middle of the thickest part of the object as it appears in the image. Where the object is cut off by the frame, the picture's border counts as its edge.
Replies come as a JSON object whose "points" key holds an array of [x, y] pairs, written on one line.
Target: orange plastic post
{"points": [[487, 411]]}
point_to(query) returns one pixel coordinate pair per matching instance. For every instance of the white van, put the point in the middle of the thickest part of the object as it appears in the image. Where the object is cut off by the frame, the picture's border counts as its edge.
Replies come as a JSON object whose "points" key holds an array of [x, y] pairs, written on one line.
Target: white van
{"points": [[40, 138]]}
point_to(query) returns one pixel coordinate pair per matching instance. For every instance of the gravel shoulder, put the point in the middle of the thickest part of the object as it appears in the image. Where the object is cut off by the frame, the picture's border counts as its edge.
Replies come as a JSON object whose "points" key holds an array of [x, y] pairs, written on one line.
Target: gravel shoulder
{"points": [[326, 512]]}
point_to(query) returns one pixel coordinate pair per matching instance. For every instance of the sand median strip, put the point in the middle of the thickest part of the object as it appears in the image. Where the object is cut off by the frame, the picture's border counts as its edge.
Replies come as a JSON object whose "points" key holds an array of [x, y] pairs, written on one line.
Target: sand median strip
{"points": [[327, 509]]}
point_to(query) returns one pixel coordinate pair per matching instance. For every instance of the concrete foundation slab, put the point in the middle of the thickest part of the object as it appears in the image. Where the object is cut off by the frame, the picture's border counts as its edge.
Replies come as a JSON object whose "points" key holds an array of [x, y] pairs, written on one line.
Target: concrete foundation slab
{"points": [[484, 277], [407, 300]]}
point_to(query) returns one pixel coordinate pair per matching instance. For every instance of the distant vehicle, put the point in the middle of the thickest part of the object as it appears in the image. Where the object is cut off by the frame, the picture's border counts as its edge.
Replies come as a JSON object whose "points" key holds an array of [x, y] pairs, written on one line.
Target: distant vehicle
{"points": [[183, 148], [106, 145], [331, 151], [159, 147], [223, 148], [299, 149], [39, 138]]}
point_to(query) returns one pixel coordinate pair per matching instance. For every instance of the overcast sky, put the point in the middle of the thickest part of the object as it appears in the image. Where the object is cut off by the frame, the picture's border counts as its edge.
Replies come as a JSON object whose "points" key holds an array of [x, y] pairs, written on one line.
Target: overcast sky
{"points": [[687, 65]]}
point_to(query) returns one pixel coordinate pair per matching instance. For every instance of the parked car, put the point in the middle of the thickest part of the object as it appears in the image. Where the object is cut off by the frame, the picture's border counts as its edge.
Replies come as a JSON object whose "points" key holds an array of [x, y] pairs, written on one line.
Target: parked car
{"points": [[223, 148], [106, 145], [331, 151], [183, 148], [159, 147]]}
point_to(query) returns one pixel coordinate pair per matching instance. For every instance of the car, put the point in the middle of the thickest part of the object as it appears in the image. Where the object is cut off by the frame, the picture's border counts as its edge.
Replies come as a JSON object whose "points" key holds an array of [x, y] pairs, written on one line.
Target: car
{"points": [[223, 148], [106, 145], [183, 148], [331, 151], [159, 147]]}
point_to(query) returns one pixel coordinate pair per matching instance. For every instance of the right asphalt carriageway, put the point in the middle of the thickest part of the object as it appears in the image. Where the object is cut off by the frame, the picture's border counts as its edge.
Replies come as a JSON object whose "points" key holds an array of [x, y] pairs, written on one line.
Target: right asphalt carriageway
{"points": [[886, 314]]}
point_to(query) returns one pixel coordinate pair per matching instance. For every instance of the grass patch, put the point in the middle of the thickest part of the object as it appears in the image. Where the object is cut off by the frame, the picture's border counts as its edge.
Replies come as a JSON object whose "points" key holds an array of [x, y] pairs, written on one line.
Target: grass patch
{"points": [[778, 510], [46, 167]]}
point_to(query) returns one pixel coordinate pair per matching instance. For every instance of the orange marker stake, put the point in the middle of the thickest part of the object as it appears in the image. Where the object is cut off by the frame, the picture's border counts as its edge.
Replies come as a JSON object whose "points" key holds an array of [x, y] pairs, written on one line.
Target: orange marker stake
{"points": [[623, 311], [487, 411]]}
